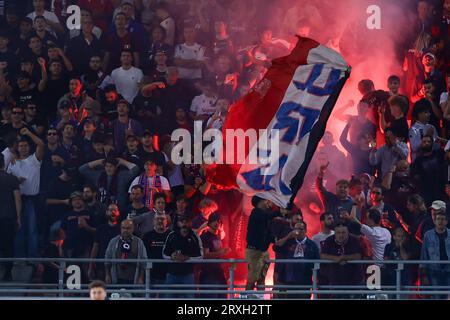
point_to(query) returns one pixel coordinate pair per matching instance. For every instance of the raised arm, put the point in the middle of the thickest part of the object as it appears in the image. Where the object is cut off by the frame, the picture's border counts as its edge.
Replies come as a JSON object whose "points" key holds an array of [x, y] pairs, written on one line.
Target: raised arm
{"points": [[40, 146]]}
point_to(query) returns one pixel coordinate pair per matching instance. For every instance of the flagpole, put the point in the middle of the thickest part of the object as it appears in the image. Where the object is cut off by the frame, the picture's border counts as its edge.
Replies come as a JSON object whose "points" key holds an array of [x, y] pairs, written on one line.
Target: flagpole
{"points": [[316, 135]]}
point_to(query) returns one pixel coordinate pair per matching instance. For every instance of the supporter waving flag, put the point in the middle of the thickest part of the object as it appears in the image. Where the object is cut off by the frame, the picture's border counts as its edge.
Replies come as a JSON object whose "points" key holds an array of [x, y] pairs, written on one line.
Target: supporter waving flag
{"points": [[292, 103]]}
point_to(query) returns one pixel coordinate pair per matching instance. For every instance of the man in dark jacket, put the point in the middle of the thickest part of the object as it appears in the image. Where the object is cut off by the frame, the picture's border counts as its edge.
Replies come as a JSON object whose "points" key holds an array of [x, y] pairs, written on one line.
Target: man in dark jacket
{"points": [[181, 245], [259, 238]]}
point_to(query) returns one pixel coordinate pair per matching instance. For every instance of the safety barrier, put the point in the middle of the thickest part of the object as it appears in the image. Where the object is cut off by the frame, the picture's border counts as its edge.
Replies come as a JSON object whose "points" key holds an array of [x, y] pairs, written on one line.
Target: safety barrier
{"points": [[148, 290]]}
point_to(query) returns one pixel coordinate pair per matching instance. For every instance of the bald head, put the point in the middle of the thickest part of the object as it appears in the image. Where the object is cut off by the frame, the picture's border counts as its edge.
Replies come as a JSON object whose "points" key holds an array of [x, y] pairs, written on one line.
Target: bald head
{"points": [[126, 229]]}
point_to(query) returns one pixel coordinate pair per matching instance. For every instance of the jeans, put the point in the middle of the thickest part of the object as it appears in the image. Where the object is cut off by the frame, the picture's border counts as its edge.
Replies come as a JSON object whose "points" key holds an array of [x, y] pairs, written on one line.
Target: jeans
{"points": [[7, 233], [439, 278], [213, 278], [26, 245], [180, 279]]}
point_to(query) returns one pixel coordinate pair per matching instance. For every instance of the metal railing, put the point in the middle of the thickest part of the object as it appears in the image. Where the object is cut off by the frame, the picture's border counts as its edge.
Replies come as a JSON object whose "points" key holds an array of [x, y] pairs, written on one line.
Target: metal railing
{"points": [[147, 290]]}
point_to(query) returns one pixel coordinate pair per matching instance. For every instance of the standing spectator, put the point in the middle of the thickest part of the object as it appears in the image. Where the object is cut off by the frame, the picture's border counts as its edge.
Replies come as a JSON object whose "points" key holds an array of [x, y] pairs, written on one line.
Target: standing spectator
{"points": [[154, 242], [79, 229], [189, 56], [358, 153], [333, 202], [428, 221], [125, 246], [103, 235], [400, 248], [52, 19], [259, 239], [397, 107], [378, 236], [421, 128], [388, 215], [98, 209], [152, 183], [206, 207], [74, 100], [27, 169], [417, 214], [55, 88], [124, 126], [119, 41], [127, 78], [181, 245], [213, 274], [393, 84], [430, 171], [326, 229], [389, 154], [204, 105], [340, 248], [10, 215], [136, 207], [81, 48], [436, 246], [58, 196], [299, 246], [144, 221], [111, 182]]}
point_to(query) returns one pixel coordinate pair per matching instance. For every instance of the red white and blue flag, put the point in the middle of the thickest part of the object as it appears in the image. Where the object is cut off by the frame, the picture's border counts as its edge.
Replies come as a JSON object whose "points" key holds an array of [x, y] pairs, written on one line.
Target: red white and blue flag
{"points": [[295, 98]]}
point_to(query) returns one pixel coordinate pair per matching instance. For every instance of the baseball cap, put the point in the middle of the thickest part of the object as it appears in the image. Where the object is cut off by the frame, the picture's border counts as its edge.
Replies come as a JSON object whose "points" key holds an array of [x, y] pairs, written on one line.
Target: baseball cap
{"points": [[76, 194], [438, 205]]}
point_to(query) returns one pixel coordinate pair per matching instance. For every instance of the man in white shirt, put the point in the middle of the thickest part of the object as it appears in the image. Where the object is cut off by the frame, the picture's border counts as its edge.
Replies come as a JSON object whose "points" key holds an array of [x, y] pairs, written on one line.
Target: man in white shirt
{"points": [[52, 20], [127, 79], [378, 236], [189, 56], [152, 183], [27, 168], [326, 228], [204, 105]]}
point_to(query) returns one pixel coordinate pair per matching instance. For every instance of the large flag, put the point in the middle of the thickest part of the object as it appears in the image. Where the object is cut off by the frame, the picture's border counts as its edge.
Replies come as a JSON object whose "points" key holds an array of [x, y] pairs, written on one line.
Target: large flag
{"points": [[295, 98]]}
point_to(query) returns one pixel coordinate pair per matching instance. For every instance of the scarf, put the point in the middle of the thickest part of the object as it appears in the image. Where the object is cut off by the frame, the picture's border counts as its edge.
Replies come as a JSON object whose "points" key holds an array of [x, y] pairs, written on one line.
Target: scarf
{"points": [[149, 190]]}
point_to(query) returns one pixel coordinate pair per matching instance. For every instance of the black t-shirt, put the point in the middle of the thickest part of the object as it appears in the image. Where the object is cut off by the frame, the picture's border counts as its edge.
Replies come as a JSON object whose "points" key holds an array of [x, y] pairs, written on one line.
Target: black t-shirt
{"points": [[133, 212], [103, 235], [53, 91], [154, 243], [442, 249], [214, 244], [60, 190], [50, 275], [8, 185], [22, 97], [348, 274], [77, 238]]}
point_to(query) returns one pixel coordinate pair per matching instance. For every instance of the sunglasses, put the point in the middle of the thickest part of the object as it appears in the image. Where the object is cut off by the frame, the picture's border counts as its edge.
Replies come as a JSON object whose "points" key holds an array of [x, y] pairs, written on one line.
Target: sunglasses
{"points": [[52, 133], [17, 112]]}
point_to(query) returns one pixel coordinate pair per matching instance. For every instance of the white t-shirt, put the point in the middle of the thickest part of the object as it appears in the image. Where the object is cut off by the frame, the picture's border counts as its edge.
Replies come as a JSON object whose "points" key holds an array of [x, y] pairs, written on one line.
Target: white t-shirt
{"points": [[203, 105], [29, 168], [194, 52], [164, 183], [8, 156], [379, 237], [320, 237], [127, 82], [48, 15]]}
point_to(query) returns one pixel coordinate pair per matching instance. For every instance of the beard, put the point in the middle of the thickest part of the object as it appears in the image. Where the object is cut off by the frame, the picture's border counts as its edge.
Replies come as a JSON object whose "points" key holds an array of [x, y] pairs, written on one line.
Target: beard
{"points": [[427, 149]]}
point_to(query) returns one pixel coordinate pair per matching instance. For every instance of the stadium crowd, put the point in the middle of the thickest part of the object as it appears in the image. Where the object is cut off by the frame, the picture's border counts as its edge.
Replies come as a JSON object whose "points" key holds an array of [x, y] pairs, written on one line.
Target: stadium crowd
{"points": [[86, 169]]}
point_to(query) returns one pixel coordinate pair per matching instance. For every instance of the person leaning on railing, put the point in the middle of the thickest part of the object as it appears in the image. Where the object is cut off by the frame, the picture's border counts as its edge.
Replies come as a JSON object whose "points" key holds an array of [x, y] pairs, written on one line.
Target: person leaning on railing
{"points": [[436, 247]]}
